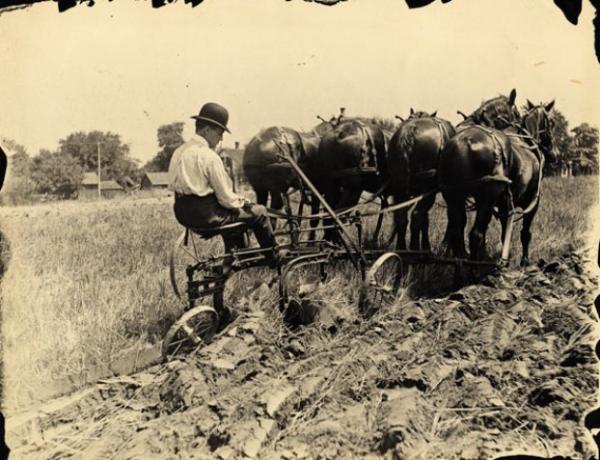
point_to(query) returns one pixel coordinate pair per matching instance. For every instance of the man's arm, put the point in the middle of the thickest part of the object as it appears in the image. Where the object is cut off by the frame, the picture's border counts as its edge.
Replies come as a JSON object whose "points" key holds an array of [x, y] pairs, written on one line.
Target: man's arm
{"points": [[221, 184]]}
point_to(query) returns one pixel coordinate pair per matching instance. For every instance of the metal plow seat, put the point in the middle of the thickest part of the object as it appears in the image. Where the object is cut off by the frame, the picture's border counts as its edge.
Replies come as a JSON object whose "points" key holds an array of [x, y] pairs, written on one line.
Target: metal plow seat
{"points": [[209, 232], [189, 250]]}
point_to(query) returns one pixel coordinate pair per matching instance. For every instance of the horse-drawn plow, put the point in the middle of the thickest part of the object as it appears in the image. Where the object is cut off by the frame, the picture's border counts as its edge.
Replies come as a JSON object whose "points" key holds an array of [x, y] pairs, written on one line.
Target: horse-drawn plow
{"points": [[494, 157], [196, 277]]}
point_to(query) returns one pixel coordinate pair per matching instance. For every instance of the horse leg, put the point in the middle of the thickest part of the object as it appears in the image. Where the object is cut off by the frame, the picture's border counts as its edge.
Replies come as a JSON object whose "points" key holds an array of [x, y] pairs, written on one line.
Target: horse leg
{"points": [[503, 210], [292, 223], [485, 200], [419, 224], [457, 219], [315, 206], [384, 204], [477, 234], [277, 204], [262, 196], [333, 196], [400, 222], [526, 235], [425, 243]]}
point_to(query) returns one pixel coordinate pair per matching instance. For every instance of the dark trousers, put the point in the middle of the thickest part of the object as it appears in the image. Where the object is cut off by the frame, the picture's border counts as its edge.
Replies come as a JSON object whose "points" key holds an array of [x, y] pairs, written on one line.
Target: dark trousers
{"points": [[205, 212]]}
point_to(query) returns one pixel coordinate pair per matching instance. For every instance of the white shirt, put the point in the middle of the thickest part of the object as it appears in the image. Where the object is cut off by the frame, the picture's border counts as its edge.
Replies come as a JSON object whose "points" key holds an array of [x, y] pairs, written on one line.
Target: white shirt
{"points": [[196, 169]]}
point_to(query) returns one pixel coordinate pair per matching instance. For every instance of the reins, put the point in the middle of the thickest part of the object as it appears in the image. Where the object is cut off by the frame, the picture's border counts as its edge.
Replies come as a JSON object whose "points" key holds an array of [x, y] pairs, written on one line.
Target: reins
{"points": [[535, 149]]}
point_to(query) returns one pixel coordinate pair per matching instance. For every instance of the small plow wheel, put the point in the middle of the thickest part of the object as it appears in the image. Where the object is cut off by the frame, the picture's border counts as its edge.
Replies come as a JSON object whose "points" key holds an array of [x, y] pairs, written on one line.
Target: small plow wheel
{"points": [[195, 328], [381, 284]]}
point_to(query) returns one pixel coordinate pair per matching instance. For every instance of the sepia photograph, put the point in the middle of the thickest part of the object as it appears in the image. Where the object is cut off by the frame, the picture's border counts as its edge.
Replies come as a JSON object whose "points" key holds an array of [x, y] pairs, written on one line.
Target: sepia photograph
{"points": [[295, 229]]}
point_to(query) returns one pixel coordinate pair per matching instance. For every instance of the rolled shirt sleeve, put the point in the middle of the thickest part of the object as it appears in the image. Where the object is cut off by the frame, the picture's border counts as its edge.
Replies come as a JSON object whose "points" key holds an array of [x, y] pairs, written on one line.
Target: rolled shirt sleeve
{"points": [[221, 184]]}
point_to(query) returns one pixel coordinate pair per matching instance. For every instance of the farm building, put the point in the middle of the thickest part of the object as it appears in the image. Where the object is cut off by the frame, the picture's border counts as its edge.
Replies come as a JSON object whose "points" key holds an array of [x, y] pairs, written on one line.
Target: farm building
{"points": [[88, 189], [155, 180]]}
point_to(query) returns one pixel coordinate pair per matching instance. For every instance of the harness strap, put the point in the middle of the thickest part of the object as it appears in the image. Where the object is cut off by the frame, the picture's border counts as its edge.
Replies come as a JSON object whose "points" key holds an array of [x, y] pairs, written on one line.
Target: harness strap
{"points": [[481, 180]]}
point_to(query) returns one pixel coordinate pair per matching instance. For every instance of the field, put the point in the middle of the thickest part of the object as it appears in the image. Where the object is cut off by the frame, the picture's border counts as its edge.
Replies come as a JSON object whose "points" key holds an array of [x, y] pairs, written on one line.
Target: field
{"points": [[83, 282]]}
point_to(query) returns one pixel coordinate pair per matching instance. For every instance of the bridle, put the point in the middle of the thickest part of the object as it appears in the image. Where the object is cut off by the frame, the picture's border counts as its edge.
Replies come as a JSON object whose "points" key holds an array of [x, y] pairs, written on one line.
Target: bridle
{"points": [[539, 126]]}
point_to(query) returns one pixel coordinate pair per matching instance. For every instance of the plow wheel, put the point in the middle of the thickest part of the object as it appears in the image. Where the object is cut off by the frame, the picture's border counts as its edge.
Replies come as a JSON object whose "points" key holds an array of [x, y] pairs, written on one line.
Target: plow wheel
{"points": [[299, 287], [381, 284], [195, 328]]}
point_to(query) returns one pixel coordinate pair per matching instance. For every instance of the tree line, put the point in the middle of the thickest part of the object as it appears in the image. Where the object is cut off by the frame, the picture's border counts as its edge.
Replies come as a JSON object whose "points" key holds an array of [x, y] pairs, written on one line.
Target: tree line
{"points": [[58, 174]]}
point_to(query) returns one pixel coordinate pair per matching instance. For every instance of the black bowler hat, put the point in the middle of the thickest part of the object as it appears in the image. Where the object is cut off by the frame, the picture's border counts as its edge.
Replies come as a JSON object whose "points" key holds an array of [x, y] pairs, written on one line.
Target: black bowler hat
{"points": [[215, 114]]}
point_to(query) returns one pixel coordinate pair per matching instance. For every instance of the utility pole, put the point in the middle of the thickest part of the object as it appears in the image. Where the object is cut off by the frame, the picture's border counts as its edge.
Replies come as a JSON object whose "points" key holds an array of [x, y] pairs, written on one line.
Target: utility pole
{"points": [[99, 178]]}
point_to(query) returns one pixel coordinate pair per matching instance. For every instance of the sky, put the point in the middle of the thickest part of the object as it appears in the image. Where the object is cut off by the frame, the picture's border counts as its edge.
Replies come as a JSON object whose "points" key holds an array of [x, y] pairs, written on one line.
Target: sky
{"points": [[125, 67]]}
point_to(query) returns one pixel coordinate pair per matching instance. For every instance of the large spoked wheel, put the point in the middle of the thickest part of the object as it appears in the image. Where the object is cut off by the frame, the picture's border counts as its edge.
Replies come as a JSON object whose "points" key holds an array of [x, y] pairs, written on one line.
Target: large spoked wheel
{"points": [[381, 285], [194, 329]]}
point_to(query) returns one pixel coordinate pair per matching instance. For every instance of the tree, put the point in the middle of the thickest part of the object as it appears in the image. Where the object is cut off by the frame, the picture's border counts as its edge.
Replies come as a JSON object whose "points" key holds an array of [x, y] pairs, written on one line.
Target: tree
{"points": [[56, 173], [562, 142], [585, 148], [114, 154], [170, 137], [18, 187], [560, 132]]}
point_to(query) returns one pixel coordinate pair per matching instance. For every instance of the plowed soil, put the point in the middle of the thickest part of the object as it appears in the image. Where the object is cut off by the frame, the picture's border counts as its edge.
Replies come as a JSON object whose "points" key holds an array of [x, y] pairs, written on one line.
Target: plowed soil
{"points": [[502, 366]]}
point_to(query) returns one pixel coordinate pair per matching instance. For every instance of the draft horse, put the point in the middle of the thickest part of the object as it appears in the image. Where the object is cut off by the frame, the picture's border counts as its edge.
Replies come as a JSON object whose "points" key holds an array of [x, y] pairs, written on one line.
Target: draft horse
{"points": [[412, 158], [496, 167], [268, 173], [351, 159]]}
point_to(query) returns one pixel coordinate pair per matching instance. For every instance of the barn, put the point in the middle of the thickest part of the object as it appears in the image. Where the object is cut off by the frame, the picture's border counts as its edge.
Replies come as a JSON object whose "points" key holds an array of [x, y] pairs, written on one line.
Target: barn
{"points": [[155, 180], [111, 189], [88, 189]]}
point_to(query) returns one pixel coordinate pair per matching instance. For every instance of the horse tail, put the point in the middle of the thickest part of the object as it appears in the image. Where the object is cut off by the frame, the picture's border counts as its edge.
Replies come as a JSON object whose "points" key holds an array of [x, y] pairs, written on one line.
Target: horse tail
{"points": [[407, 141]]}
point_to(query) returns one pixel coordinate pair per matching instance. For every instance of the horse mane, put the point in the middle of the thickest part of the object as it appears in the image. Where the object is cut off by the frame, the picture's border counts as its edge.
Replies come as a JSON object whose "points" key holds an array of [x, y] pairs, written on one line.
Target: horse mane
{"points": [[495, 109]]}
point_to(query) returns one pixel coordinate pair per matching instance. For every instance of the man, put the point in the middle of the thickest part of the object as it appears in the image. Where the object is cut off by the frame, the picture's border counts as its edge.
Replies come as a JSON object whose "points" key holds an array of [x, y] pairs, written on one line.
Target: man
{"points": [[204, 196]]}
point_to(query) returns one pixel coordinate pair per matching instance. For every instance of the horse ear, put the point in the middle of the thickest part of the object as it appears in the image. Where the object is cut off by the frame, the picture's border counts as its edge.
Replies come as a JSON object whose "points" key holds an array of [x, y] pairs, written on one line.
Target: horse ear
{"points": [[530, 105], [549, 106], [433, 114], [512, 97], [411, 111]]}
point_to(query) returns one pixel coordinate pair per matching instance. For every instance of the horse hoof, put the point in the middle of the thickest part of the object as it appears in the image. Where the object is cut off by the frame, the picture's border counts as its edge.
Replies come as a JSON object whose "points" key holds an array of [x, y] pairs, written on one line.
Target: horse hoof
{"points": [[524, 262]]}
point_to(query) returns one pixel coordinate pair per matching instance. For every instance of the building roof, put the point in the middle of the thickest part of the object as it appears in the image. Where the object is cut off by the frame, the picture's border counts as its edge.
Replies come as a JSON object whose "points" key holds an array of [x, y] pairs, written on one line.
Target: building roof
{"points": [[234, 154], [110, 185], [89, 178], [158, 178]]}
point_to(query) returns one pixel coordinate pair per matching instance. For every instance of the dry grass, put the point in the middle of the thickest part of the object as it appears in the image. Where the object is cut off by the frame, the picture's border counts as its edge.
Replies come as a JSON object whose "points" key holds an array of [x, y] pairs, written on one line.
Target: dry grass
{"points": [[85, 281]]}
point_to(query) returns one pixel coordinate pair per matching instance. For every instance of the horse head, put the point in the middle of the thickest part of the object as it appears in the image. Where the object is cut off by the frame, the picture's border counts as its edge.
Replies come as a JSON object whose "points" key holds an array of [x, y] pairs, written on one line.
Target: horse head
{"points": [[538, 123], [499, 112]]}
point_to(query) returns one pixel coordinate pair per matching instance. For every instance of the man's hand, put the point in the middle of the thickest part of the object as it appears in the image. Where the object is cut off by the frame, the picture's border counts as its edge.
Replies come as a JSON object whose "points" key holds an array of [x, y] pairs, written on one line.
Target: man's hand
{"points": [[255, 209]]}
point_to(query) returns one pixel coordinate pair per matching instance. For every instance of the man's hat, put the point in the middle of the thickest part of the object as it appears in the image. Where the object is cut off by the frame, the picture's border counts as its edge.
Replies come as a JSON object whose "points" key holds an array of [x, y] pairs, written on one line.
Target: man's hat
{"points": [[215, 114]]}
